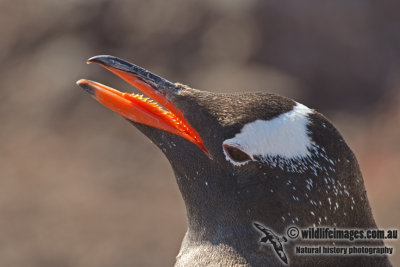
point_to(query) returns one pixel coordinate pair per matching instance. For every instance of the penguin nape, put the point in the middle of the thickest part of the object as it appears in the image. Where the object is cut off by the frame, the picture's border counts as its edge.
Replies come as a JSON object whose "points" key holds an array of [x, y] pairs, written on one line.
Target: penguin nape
{"points": [[247, 159]]}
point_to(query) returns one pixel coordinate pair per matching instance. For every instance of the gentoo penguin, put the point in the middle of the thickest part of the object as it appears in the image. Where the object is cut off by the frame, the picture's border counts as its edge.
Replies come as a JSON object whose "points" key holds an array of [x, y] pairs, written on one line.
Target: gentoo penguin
{"points": [[247, 158]]}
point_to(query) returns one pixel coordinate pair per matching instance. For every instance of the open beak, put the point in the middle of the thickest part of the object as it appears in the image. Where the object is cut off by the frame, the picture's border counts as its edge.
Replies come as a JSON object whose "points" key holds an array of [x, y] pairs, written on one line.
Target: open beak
{"points": [[141, 109]]}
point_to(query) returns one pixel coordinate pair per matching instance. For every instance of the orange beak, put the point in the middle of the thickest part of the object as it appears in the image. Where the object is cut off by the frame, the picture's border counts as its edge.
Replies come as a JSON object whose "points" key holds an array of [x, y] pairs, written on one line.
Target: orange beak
{"points": [[137, 108]]}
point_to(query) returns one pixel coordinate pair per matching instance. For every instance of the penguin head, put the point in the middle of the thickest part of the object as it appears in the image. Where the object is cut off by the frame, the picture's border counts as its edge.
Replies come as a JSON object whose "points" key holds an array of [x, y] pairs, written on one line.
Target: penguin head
{"points": [[246, 154], [275, 153]]}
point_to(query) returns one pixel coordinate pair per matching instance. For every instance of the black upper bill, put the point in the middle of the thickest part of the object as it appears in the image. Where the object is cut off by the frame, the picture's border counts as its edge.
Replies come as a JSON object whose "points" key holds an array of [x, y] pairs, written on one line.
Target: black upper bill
{"points": [[110, 61]]}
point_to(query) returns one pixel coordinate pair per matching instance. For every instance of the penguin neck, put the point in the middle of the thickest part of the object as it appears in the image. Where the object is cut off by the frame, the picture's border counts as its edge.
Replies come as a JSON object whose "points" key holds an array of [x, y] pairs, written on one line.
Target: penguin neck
{"points": [[212, 212], [220, 225], [219, 204]]}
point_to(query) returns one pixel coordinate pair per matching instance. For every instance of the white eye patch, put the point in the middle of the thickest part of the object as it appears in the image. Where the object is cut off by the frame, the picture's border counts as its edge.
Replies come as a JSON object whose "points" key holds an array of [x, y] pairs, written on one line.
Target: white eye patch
{"points": [[285, 136]]}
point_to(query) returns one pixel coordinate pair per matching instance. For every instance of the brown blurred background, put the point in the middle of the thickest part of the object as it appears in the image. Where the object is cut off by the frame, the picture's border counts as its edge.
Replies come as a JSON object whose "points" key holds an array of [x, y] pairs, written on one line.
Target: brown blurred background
{"points": [[79, 186]]}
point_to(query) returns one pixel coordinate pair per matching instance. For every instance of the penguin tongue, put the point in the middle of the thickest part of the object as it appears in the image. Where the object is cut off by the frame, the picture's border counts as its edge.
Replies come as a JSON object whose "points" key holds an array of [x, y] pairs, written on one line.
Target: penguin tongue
{"points": [[137, 108]]}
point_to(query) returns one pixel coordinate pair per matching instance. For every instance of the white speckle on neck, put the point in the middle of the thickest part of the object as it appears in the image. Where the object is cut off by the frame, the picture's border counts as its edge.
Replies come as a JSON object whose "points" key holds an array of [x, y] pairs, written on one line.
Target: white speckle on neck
{"points": [[285, 136]]}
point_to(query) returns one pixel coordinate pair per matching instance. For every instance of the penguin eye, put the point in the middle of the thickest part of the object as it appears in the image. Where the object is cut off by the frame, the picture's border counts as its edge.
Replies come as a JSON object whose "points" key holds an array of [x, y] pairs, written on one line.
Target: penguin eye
{"points": [[236, 154]]}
